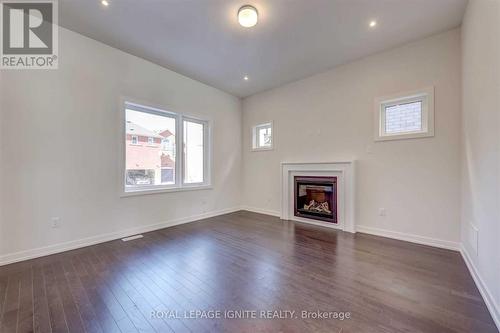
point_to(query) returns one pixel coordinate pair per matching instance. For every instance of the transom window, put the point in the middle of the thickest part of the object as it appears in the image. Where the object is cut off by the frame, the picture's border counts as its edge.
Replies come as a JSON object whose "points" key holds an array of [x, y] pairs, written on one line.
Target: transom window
{"points": [[262, 136], [154, 139], [405, 116]]}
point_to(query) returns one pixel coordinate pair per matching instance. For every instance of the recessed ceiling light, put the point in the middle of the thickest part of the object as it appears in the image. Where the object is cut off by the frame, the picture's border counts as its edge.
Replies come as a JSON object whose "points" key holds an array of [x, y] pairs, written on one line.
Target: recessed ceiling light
{"points": [[373, 24], [248, 16], [245, 78], [105, 3]]}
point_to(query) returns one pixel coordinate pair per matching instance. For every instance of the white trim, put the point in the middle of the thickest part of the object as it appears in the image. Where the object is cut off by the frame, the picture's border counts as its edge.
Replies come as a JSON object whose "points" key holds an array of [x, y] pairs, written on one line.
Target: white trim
{"points": [[255, 136], [83, 242], [423, 240], [166, 189], [131, 238], [261, 211], [179, 185], [488, 298], [426, 95], [262, 149], [207, 151]]}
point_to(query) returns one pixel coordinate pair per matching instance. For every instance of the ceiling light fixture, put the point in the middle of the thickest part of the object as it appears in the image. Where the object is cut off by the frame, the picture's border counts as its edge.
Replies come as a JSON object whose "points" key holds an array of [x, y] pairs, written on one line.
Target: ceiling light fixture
{"points": [[245, 78], [247, 16], [373, 24], [105, 3]]}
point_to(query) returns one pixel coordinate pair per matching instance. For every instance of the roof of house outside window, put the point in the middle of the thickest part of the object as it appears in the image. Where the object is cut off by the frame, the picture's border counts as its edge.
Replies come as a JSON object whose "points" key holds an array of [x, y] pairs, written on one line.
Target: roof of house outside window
{"points": [[166, 133], [134, 129]]}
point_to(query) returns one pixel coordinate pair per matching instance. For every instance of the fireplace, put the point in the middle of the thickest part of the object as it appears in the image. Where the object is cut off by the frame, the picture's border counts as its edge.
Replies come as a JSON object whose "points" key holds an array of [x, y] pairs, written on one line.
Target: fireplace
{"points": [[316, 198]]}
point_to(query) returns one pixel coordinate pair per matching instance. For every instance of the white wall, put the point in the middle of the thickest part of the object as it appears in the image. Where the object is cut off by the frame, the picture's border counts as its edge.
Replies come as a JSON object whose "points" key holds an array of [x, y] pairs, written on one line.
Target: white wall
{"points": [[481, 144], [329, 117], [60, 136], [2, 220]]}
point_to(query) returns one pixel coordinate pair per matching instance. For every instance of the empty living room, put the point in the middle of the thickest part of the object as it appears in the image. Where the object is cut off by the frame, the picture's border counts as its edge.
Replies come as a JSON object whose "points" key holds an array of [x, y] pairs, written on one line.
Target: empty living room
{"points": [[250, 166]]}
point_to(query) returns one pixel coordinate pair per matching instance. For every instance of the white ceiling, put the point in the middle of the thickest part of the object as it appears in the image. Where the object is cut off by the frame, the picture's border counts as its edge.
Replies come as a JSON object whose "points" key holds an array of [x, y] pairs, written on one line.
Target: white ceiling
{"points": [[293, 39]]}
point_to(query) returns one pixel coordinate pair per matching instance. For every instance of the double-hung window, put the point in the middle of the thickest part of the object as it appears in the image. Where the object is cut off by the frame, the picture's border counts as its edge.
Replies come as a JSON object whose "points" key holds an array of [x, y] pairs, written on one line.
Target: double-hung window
{"points": [[175, 153]]}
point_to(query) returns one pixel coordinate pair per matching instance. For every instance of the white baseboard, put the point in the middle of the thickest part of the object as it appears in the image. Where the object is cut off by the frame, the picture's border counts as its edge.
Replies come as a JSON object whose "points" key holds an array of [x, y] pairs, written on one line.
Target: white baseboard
{"points": [[488, 298], [261, 211], [444, 244], [455, 246], [83, 242]]}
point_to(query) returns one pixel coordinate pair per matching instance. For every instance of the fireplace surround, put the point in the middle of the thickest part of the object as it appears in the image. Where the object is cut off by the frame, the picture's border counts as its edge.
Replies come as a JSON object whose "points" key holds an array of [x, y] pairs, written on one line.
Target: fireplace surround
{"points": [[345, 184]]}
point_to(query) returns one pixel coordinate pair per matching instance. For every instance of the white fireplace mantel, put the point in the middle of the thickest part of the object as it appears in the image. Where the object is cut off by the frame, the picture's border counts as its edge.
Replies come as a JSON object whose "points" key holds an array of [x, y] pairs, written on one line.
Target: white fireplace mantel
{"points": [[345, 173]]}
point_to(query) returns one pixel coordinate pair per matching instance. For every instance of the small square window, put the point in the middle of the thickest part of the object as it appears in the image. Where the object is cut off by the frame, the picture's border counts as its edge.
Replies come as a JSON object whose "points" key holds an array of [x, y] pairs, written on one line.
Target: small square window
{"points": [[135, 140], [405, 116], [262, 136], [151, 141]]}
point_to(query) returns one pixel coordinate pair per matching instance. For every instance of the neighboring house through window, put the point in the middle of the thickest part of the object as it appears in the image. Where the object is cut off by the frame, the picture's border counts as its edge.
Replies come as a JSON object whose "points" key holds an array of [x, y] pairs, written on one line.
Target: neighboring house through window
{"points": [[405, 116], [155, 166]]}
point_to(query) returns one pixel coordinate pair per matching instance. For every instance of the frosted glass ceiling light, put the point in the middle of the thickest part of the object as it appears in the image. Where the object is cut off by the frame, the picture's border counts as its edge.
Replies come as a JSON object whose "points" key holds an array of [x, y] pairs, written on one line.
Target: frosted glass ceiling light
{"points": [[248, 16]]}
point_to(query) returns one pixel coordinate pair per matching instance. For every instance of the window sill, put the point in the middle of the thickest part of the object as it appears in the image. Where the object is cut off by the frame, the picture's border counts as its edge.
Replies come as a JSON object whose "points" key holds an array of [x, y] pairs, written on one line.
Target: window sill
{"points": [[164, 190], [404, 136], [263, 149]]}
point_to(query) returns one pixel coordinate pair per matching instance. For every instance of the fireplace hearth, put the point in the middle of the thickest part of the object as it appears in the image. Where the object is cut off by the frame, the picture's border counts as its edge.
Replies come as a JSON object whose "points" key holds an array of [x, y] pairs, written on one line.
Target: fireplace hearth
{"points": [[316, 198]]}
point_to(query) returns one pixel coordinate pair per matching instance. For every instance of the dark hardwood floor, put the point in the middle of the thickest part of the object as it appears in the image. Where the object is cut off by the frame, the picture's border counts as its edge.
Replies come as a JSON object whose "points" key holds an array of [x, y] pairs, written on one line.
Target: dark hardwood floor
{"points": [[244, 263]]}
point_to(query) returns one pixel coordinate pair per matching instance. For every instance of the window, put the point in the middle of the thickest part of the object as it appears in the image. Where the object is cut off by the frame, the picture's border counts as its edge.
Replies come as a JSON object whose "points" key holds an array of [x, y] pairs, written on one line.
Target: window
{"points": [[167, 144], [194, 142], [262, 136], [155, 166], [405, 116]]}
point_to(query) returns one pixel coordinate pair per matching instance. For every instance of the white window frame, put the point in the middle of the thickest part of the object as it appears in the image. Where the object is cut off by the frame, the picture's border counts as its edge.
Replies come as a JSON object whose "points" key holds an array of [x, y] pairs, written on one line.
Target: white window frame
{"points": [[136, 140], [151, 141], [206, 150], [128, 103], [255, 136], [425, 96]]}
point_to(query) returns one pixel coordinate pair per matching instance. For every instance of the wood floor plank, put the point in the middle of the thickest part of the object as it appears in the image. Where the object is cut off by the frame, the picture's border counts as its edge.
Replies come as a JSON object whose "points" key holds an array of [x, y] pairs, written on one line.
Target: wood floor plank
{"points": [[99, 275], [174, 297], [80, 297], [3, 291], [141, 295], [103, 314], [41, 318], [133, 303], [25, 317], [244, 261], [11, 305], [73, 318], [55, 305]]}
